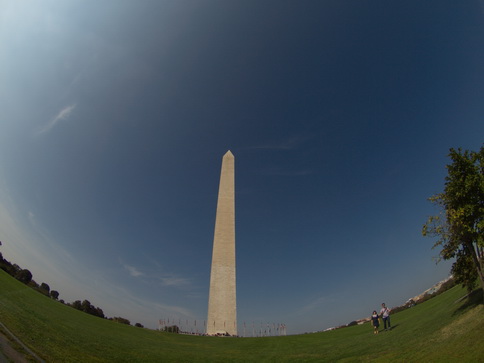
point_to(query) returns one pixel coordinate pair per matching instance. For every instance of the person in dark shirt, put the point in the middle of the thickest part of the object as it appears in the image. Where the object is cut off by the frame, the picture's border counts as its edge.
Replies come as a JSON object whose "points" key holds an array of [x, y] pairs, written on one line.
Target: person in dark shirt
{"points": [[375, 321]]}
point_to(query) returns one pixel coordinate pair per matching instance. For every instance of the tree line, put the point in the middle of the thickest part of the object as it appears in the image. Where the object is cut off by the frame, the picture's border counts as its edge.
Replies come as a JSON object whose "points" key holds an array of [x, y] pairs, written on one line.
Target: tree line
{"points": [[25, 276]]}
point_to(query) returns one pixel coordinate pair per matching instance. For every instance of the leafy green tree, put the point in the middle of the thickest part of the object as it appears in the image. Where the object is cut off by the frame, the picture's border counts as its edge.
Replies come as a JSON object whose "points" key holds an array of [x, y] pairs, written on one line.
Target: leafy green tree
{"points": [[6, 266], [24, 276], [121, 320], [15, 269], [87, 307], [54, 294], [34, 285], [172, 329], [100, 313], [45, 289], [77, 305], [459, 225]]}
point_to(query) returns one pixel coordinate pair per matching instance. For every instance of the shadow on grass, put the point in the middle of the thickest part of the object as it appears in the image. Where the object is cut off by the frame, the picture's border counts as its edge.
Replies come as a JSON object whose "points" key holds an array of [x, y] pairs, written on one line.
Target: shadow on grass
{"points": [[471, 300], [389, 329]]}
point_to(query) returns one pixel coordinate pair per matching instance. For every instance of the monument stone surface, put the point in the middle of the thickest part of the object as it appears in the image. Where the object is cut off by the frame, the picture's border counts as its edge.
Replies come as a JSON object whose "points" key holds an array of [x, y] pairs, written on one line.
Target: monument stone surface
{"points": [[222, 307]]}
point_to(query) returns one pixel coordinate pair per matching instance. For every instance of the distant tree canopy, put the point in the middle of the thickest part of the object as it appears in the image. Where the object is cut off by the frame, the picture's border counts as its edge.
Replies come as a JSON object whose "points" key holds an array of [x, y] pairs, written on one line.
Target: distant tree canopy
{"points": [[34, 285], [15, 269], [24, 276], [87, 307], [76, 305], [54, 294], [459, 225], [172, 329], [118, 319], [45, 287], [6, 266]]}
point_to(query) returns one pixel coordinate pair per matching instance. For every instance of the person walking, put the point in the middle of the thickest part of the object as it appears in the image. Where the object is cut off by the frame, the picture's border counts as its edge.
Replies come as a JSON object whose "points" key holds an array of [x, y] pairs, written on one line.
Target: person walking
{"points": [[385, 315], [375, 321]]}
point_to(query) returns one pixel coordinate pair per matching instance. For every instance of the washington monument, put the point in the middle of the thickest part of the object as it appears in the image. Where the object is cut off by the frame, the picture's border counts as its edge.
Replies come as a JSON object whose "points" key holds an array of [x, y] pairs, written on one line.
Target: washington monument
{"points": [[222, 310]]}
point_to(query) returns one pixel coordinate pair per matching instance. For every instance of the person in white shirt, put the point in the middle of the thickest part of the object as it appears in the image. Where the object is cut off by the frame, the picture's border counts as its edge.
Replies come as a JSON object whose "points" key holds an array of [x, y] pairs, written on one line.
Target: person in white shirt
{"points": [[385, 315]]}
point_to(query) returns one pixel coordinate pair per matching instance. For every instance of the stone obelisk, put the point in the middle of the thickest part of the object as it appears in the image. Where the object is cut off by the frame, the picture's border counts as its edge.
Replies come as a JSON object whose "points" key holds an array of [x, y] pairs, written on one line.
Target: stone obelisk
{"points": [[222, 308]]}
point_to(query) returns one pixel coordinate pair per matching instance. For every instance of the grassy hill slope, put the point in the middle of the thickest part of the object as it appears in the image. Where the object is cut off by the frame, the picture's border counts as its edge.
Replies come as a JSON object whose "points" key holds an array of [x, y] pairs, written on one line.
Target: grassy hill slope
{"points": [[440, 329]]}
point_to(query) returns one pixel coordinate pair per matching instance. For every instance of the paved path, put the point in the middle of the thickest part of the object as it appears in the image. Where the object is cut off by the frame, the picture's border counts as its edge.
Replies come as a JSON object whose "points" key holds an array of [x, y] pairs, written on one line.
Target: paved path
{"points": [[8, 353], [3, 359], [6, 349]]}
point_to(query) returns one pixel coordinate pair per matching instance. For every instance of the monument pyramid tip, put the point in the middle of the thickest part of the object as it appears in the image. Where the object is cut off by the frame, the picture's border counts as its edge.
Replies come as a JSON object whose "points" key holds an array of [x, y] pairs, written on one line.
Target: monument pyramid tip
{"points": [[229, 153]]}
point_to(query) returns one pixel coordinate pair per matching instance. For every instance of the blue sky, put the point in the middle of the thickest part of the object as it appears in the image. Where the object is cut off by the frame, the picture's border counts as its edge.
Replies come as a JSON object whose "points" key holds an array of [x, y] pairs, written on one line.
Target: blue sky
{"points": [[115, 115]]}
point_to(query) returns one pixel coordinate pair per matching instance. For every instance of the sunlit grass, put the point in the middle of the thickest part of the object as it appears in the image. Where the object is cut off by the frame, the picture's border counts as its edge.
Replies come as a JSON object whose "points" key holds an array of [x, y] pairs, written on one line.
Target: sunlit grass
{"points": [[437, 330]]}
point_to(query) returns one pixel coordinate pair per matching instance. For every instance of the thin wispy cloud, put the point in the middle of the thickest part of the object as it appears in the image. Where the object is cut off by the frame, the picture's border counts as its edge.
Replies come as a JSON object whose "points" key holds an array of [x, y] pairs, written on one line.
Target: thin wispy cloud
{"points": [[315, 304], [174, 281], [63, 115], [133, 271], [167, 280], [31, 217]]}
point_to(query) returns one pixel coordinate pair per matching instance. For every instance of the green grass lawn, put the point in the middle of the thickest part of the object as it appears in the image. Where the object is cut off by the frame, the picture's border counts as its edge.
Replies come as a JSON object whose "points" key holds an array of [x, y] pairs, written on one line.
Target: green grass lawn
{"points": [[439, 330]]}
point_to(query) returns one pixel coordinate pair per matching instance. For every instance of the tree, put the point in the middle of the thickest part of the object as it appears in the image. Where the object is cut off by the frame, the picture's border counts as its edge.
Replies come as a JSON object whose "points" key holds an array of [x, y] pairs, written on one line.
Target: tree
{"points": [[172, 329], [77, 305], [34, 285], [87, 307], [459, 225], [100, 313], [45, 289], [24, 276], [6, 266], [15, 269], [54, 294], [121, 320]]}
